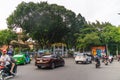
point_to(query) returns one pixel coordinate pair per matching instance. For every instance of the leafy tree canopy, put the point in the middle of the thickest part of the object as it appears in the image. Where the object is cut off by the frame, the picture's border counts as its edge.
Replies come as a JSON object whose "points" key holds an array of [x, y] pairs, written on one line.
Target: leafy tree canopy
{"points": [[6, 36], [47, 23]]}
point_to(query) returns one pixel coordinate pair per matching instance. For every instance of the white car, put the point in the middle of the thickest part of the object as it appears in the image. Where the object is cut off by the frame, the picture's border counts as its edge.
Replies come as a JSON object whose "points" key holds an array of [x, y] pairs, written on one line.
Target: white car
{"points": [[83, 58]]}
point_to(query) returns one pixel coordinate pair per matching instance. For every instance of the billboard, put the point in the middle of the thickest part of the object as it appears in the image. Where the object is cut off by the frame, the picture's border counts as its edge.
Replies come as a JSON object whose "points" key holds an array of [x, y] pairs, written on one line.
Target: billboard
{"points": [[99, 50]]}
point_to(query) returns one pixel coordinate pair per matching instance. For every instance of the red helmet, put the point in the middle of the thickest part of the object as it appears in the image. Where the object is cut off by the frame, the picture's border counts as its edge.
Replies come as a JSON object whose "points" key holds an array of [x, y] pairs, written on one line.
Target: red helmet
{"points": [[4, 50]]}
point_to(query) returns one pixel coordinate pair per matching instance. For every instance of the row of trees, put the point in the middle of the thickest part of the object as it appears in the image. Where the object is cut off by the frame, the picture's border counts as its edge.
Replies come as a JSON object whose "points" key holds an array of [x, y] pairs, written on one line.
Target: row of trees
{"points": [[99, 34], [51, 23]]}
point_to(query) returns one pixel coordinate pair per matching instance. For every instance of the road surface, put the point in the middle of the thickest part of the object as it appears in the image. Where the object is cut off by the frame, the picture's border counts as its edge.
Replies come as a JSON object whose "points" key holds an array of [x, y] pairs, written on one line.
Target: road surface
{"points": [[70, 71]]}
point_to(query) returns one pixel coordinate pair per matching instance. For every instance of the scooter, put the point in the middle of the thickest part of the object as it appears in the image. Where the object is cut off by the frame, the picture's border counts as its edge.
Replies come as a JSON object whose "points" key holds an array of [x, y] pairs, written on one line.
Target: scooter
{"points": [[97, 65], [4, 74], [111, 60], [106, 62]]}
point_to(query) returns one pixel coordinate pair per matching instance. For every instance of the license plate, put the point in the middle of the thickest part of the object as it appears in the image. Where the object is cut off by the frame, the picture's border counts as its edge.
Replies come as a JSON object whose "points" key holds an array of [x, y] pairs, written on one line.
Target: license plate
{"points": [[40, 60]]}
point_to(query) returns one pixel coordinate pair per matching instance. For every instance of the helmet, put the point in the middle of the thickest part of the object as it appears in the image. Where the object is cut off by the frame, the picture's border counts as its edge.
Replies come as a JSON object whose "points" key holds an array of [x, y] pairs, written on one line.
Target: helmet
{"points": [[4, 50], [9, 53]]}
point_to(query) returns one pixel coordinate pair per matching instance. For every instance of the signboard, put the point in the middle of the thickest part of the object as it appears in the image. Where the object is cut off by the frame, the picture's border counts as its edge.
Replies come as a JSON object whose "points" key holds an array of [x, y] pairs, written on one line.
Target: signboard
{"points": [[100, 50]]}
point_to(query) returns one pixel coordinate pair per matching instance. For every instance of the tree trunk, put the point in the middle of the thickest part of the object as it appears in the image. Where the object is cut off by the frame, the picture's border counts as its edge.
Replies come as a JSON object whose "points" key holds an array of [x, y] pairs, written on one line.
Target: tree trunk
{"points": [[83, 50], [117, 50], [107, 52]]}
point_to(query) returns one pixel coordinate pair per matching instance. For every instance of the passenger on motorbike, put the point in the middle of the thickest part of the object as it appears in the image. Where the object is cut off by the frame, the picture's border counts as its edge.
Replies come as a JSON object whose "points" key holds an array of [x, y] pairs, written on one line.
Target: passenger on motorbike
{"points": [[8, 63]]}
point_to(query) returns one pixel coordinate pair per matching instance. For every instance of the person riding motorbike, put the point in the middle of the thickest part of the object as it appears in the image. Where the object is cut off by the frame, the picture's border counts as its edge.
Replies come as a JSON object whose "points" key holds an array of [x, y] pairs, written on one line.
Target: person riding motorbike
{"points": [[14, 65], [106, 60], [103, 58], [110, 58], [8, 63], [97, 60], [118, 58]]}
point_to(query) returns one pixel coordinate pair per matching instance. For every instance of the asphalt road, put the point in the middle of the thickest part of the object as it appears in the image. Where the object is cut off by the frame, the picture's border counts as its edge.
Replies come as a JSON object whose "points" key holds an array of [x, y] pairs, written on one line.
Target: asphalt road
{"points": [[70, 71]]}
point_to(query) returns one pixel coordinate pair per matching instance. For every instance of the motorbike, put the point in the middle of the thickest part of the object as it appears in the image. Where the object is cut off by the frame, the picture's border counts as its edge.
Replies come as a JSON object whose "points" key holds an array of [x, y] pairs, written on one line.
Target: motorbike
{"points": [[97, 65], [106, 62], [118, 59], [111, 60], [4, 72]]}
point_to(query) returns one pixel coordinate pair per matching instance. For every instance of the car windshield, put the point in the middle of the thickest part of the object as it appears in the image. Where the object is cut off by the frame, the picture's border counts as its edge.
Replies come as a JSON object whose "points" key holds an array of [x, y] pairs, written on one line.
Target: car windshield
{"points": [[47, 56], [80, 54], [18, 55]]}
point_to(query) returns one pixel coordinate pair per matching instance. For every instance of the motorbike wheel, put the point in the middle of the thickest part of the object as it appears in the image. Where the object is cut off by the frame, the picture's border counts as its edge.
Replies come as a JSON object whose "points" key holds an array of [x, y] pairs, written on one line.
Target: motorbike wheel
{"points": [[52, 65], [97, 65], [15, 70], [106, 63], [2, 77]]}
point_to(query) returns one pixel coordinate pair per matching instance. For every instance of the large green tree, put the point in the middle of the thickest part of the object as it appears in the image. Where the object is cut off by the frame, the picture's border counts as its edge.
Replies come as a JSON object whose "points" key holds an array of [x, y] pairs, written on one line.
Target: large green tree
{"points": [[47, 23]]}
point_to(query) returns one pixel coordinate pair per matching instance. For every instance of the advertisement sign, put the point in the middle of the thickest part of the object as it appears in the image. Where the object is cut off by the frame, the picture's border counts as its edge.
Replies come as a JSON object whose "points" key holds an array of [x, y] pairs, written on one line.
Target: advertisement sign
{"points": [[100, 50]]}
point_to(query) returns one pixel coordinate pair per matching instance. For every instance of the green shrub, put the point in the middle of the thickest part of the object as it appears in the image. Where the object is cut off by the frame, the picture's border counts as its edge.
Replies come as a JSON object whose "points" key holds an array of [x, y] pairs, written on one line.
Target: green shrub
{"points": [[16, 50]]}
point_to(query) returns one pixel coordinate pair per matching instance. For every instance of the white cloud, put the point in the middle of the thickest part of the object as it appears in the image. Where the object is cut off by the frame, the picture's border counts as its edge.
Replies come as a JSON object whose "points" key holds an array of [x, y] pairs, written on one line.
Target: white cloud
{"points": [[92, 10]]}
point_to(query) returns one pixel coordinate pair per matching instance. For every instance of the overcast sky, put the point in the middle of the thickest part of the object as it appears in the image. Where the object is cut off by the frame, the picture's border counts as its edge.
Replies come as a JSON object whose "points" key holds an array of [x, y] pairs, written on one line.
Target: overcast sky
{"points": [[92, 10]]}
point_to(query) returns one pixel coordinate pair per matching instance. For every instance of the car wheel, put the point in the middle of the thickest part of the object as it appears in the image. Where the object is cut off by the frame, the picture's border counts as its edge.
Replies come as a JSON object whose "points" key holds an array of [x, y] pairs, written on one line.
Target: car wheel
{"points": [[90, 62], [76, 62], [39, 67], [63, 64], [96, 66], [24, 63], [29, 62], [52, 65]]}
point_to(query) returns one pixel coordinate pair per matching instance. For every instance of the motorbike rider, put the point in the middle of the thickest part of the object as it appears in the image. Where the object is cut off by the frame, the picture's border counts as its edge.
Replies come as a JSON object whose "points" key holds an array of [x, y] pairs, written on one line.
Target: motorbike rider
{"points": [[8, 63], [106, 60], [97, 59], [103, 58], [110, 58], [10, 53], [118, 57]]}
